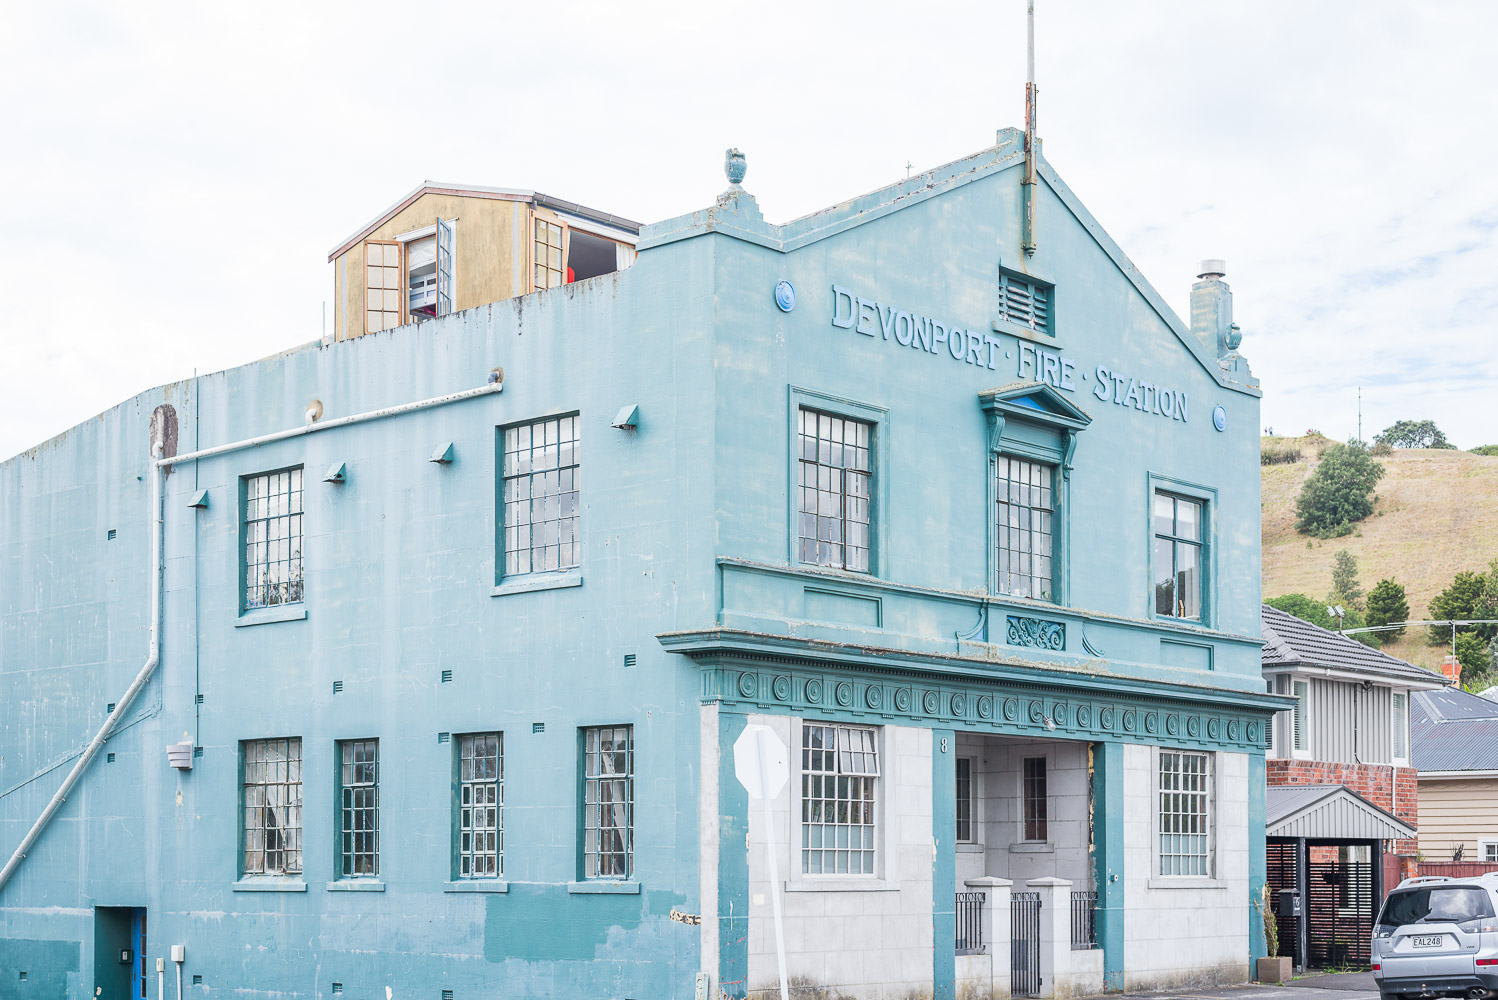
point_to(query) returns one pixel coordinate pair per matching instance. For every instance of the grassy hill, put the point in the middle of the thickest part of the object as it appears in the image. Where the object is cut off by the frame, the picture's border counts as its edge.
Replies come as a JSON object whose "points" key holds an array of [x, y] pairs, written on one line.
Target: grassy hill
{"points": [[1437, 513]]}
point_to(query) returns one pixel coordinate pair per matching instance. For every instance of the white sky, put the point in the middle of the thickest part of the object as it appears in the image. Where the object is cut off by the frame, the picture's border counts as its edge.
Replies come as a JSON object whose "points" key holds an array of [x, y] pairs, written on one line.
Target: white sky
{"points": [[176, 173]]}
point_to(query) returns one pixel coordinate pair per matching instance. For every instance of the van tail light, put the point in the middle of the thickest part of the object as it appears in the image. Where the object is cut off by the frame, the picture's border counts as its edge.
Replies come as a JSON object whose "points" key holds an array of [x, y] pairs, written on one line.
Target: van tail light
{"points": [[1487, 961], [1376, 967]]}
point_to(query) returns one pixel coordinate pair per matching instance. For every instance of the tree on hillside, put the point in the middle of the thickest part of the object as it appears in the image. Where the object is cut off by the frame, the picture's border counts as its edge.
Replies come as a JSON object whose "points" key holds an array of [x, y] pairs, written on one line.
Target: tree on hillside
{"points": [[1345, 588], [1313, 611], [1472, 654], [1461, 600], [1414, 434], [1387, 604], [1338, 493], [1488, 450]]}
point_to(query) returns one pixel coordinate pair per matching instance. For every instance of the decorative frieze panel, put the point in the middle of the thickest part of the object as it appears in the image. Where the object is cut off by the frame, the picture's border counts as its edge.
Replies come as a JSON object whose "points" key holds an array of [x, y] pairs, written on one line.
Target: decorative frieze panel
{"points": [[1035, 632], [1033, 709]]}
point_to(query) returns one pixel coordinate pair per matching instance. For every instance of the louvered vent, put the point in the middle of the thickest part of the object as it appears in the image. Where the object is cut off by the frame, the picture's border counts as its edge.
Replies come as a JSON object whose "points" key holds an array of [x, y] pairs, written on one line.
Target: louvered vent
{"points": [[1025, 303]]}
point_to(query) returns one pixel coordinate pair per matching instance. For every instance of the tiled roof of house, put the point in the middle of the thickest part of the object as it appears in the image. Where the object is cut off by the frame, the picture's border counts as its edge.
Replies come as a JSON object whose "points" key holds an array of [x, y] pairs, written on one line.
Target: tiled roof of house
{"points": [[1451, 730], [1293, 642]]}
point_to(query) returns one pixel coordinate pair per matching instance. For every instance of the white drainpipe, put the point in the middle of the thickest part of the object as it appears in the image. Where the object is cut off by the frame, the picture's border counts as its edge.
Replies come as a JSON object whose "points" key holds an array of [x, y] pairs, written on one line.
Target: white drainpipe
{"points": [[160, 465]]}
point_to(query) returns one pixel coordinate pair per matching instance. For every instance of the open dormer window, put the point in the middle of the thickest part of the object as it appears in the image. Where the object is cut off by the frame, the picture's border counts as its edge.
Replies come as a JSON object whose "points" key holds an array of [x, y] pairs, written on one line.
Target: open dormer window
{"points": [[410, 278]]}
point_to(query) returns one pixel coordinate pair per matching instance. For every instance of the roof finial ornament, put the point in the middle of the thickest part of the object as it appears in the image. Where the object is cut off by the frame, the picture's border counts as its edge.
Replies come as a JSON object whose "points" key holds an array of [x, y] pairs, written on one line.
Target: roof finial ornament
{"points": [[734, 166]]}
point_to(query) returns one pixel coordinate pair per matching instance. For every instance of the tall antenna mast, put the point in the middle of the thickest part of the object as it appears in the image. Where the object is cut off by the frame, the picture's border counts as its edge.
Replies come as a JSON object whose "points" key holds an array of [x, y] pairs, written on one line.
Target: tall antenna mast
{"points": [[1027, 184], [1360, 413]]}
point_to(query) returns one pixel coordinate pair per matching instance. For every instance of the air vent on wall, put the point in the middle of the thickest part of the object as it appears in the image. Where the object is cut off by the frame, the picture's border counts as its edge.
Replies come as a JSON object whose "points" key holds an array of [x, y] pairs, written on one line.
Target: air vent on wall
{"points": [[629, 660], [538, 727], [444, 737], [338, 687], [447, 676]]}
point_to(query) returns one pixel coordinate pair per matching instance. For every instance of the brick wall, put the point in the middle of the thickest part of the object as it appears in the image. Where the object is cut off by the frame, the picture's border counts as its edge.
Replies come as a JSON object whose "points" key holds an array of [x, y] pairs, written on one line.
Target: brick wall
{"points": [[1393, 789]]}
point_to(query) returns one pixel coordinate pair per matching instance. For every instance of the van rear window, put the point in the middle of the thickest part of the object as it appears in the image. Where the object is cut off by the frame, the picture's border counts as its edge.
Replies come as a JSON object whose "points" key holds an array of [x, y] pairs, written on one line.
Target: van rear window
{"points": [[1435, 904]]}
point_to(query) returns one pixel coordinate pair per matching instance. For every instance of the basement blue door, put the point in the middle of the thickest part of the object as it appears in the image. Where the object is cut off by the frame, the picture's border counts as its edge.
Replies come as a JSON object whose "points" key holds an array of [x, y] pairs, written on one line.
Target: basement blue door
{"points": [[141, 977]]}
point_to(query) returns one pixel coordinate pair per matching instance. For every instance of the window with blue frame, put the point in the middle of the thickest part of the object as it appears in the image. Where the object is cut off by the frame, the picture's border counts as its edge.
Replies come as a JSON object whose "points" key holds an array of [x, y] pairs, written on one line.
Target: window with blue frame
{"points": [[540, 485], [272, 536], [1179, 557]]}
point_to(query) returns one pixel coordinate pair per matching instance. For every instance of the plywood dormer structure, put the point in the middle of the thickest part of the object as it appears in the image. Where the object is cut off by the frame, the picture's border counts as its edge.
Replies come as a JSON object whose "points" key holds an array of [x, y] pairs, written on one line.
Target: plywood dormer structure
{"points": [[447, 247]]}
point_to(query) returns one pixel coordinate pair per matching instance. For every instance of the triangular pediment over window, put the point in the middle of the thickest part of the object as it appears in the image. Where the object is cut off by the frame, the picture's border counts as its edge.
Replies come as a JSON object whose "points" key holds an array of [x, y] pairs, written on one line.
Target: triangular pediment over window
{"points": [[1036, 402]]}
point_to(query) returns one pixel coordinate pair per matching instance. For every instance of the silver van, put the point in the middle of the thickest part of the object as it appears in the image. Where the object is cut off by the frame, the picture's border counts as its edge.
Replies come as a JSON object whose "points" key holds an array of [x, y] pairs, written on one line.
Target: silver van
{"points": [[1438, 937]]}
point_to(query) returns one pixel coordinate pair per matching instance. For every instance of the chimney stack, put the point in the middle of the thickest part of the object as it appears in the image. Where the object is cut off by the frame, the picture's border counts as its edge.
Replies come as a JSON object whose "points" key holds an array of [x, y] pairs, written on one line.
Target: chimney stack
{"points": [[1452, 668], [1212, 308]]}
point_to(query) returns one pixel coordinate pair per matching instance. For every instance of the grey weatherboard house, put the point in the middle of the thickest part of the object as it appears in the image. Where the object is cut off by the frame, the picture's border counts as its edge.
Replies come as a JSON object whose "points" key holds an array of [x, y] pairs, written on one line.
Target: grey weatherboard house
{"points": [[452, 663]]}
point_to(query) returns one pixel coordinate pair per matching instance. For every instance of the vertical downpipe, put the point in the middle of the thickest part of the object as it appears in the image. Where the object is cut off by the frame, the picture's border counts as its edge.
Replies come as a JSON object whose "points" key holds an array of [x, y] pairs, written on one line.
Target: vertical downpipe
{"points": [[1027, 182]]}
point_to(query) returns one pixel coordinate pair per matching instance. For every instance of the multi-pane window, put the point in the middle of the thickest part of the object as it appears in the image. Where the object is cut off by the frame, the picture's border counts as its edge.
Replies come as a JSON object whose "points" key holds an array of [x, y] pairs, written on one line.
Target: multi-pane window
{"points": [[1183, 813], [965, 799], [541, 480], [1025, 303], [1033, 798], [359, 787], [273, 539], [273, 807], [1401, 724], [382, 286], [1178, 556], [1023, 523], [1300, 729], [839, 768], [608, 801], [835, 490], [481, 802], [548, 264], [1487, 851]]}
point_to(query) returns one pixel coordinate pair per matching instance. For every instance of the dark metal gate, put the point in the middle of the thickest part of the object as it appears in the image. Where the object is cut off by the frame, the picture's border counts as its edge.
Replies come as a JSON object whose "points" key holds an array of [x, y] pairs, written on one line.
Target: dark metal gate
{"points": [[1024, 944], [1339, 909], [970, 923], [1282, 875]]}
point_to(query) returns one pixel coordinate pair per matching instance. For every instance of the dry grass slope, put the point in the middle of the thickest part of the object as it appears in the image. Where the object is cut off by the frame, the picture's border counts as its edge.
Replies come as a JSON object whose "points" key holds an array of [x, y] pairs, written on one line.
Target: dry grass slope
{"points": [[1437, 513]]}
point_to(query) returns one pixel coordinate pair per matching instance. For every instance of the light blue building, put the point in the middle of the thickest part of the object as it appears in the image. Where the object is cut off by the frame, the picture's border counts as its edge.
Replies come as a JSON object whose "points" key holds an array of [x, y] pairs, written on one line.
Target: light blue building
{"points": [[459, 625]]}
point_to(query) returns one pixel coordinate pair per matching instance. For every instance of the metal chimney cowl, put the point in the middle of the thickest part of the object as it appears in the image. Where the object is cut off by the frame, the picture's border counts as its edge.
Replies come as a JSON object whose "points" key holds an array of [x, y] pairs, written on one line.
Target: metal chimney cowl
{"points": [[179, 755]]}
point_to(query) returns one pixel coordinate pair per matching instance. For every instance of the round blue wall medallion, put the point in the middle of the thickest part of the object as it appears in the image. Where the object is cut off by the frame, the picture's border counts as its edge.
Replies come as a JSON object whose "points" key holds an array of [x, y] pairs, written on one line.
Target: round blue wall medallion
{"points": [[1220, 418], [785, 296]]}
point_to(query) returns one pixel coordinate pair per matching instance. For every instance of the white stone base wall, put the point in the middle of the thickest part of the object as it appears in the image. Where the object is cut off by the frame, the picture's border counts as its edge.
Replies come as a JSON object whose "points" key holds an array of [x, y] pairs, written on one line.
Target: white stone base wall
{"points": [[867, 937], [1182, 931]]}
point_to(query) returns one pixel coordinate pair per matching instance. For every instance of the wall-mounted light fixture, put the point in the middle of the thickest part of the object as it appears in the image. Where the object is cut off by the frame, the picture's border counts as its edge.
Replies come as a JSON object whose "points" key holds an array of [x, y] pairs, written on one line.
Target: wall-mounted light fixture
{"points": [[443, 455], [337, 474], [199, 500]]}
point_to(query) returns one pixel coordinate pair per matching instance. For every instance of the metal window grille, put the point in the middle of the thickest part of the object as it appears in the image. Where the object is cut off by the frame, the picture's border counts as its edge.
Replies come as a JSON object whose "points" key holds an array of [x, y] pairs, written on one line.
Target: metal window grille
{"points": [[970, 923], [273, 539], [542, 469], [965, 799], [273, 807], [835, 486], [608, 801], [360, 788], [1302, 692], [1183, 814], [1401, 727], [1023, 520], [1035, 799], [1178, 556], [1025, 303], [481, 800], [1083, 920], [839, 769], [548, 255]]}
